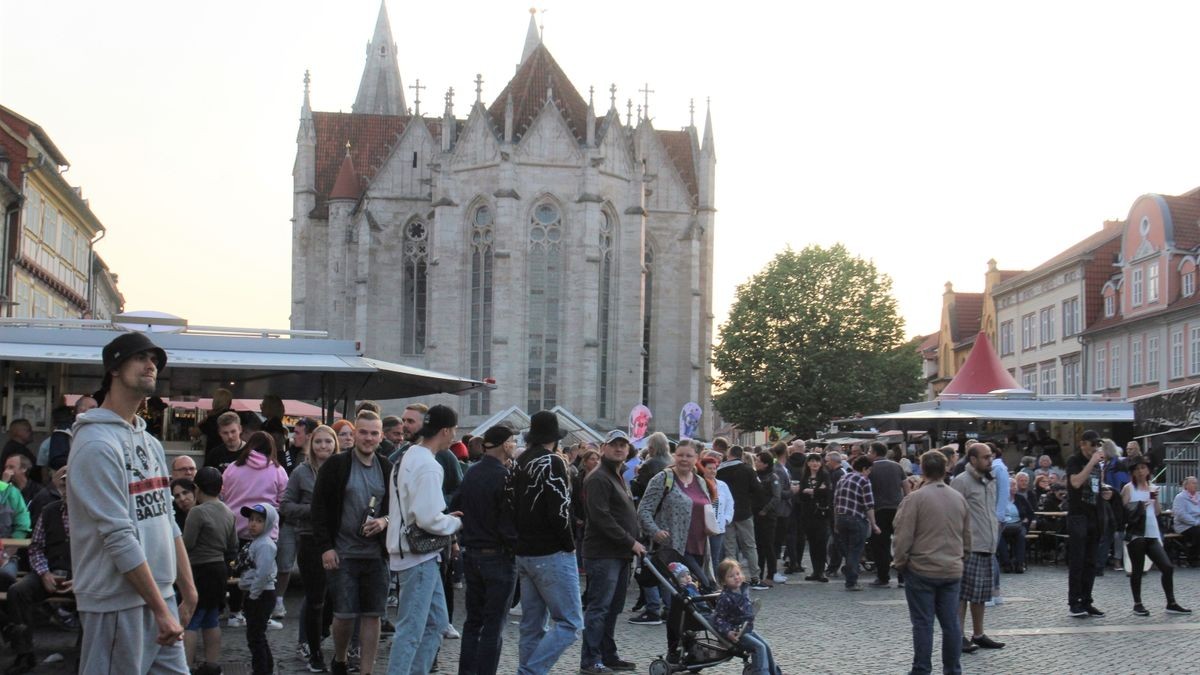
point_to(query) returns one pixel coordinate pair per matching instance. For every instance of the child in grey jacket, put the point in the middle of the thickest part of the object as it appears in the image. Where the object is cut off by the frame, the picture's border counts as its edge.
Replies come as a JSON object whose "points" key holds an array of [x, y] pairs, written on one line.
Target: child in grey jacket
{"points": [[257, 564]]}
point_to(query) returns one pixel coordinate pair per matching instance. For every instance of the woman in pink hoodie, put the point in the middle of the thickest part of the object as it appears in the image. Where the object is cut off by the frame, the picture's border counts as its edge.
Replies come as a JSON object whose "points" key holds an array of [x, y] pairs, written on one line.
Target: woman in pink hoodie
{"points": [[254, 477]]}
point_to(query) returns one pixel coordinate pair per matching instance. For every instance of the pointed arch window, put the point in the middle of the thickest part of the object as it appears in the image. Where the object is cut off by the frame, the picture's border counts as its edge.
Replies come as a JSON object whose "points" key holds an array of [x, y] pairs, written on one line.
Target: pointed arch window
{"points": [[415, 287], [647, 322], [480, 328], [545, 306], [604, 313]]}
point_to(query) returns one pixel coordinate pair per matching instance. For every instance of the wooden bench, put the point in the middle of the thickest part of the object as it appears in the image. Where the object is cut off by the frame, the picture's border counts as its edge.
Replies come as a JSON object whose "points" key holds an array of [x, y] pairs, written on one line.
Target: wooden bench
{"points": [[1176, 551]]}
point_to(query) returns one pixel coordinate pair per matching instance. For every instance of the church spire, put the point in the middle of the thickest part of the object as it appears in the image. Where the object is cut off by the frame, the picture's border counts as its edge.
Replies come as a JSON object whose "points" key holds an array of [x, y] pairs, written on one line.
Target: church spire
{"points": [[307, 131], [707, 146], [380, 91], [533, 37]]}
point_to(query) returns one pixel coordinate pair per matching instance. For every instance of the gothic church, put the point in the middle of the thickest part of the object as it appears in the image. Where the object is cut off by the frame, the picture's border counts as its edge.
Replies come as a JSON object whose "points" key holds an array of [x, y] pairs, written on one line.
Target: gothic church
{"points": [[566, 254]]}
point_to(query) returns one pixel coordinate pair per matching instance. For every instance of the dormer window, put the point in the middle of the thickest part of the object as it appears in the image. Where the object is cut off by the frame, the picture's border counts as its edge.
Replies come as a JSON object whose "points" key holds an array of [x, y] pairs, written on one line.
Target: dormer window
{"points": [[1137, 287], [1189, 283], [1110, 306], [1152, 282]]}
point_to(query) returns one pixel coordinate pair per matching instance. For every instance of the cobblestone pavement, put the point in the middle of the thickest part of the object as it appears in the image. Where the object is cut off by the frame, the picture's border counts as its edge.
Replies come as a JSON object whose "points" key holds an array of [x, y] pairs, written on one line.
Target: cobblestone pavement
{"points": [[820, 628]]}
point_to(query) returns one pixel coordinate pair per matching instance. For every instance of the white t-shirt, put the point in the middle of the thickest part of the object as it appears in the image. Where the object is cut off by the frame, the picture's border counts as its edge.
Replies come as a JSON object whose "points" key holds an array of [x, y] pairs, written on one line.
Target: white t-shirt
{"points": [[1136, 495]]}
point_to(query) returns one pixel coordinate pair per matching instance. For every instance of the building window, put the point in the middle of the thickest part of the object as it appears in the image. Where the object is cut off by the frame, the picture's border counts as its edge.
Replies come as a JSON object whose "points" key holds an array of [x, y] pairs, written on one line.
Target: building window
{"points": [[1006, 338], [604, 329], [1176, 354], [1029, 378], [1110, 306], [1047, 325], [1152, 359], [415, 288], [1028, 332], [1135, 287], [1101, 367], [1152, 282], [1070, 317], [1135, 361], [647, 322], [1049, 379], [480, 328], [545, 307], [1194, 347], [1070, 368], [1189, 283], [1115, 358]]}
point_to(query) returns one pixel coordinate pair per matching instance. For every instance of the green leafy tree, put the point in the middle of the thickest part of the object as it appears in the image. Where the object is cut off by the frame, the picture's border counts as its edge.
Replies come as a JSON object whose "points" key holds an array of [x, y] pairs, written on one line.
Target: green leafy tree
{"points": [[813, 337]]}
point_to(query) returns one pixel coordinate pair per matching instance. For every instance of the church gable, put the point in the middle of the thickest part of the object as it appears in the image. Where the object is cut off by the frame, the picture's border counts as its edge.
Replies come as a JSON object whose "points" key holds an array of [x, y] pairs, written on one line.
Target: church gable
{"points": [[406, 171], [617, 151], [549, 140], [669, 192], [477, 145]]}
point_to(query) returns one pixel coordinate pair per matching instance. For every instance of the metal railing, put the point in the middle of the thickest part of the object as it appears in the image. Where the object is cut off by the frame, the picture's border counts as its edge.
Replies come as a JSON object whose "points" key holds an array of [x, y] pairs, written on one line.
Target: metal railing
{"points": [[125, 322]]}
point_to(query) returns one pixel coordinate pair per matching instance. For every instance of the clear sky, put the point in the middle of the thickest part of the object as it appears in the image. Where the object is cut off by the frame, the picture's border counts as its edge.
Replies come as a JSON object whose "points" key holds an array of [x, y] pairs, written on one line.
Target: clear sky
{"points": [[927, 136]]}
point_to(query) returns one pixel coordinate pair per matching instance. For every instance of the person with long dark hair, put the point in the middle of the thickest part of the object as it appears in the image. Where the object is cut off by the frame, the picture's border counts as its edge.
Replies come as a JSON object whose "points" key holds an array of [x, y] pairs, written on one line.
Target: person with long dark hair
{"points": [[814, 499], [1144, 538], [255, 477]]}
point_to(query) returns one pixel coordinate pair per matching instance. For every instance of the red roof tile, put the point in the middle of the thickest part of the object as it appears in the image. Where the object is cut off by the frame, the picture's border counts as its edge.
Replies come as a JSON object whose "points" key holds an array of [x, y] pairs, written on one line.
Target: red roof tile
{"points": [[1185, 218], [929, 343], [528, 88], [965, 315], [679, 148], [371, 138], [347, 185]]}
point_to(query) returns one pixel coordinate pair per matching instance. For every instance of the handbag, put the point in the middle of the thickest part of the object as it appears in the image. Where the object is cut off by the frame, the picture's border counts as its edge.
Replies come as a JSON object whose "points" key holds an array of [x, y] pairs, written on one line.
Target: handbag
{"points": [[710, 520], [420, 541]]}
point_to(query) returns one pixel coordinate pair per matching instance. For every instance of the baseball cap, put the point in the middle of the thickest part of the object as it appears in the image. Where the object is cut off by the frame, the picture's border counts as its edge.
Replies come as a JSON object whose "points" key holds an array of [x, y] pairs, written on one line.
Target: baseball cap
{"points": [[437, 418], [261, 510], [616, 435], [496, 436]]}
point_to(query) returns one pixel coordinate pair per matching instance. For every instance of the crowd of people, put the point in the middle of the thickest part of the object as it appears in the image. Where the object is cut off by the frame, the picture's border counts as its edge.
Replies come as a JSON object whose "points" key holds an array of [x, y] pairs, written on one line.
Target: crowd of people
{"points": [[385, 516]]}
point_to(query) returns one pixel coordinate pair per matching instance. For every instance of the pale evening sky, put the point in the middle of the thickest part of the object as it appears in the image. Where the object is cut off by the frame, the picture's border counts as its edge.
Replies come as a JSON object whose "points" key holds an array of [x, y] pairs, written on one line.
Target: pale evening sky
{"points": [[927, 136]]}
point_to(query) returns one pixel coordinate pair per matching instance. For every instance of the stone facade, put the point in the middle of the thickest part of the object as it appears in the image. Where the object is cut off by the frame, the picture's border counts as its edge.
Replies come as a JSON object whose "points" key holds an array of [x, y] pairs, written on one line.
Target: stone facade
{"points": [[564, 253]]}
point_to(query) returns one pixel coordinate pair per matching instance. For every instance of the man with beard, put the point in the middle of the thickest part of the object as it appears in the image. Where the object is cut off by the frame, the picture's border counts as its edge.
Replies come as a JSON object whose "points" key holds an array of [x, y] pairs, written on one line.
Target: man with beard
{"points": [[978, 487], [410, 423]]}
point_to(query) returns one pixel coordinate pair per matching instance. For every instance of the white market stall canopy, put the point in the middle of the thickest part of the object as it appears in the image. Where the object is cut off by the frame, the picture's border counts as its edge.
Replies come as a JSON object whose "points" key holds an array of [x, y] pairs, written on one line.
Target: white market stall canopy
{"points": [[299, 367], [1021, 409], [517, 419]]}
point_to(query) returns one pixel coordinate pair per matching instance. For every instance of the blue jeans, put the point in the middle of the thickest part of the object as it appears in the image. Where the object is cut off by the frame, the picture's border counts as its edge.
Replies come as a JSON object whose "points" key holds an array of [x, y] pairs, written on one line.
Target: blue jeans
{"points": [[420, 619], [607, 582], [490, 579], [852, 535], [761, 659], [549, 586], [928, 597]]}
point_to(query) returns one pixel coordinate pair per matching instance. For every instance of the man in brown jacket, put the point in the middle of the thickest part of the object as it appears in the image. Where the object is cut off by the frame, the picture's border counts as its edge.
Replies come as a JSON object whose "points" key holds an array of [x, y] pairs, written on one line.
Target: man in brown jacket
{"points": [[932, 537]]}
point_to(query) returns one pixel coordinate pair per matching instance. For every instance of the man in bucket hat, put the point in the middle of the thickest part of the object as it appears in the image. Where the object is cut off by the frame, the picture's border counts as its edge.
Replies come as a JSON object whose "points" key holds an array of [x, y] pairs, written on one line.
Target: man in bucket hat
{"points": [[128, 551], [545, 548]]}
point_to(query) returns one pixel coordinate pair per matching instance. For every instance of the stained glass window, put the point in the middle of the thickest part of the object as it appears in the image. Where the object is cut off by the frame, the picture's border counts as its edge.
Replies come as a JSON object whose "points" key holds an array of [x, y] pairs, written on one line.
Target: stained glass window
{"points": [[545, 295]]}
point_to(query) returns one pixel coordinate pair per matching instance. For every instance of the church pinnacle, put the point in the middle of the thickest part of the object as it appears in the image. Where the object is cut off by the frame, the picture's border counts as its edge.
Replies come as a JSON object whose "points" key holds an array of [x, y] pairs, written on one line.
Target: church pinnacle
{"points": [[380, 92], [533, 37]]}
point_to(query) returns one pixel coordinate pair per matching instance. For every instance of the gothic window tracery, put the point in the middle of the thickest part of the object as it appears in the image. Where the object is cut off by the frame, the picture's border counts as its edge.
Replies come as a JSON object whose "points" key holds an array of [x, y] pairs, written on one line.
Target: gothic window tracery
{"points": [[647, 322], [480, 339], [415, 287], [604, 313], [545, 306]]}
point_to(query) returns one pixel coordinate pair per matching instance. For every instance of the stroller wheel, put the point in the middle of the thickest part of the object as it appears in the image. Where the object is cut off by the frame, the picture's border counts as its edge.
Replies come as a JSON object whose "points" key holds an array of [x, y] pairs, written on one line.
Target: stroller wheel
{"points": [[748, 669], [660, 667]]}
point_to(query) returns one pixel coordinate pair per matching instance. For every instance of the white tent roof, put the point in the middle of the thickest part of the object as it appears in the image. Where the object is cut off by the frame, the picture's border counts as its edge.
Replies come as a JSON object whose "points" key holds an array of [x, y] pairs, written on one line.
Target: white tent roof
{"points": [[1018, 409]]}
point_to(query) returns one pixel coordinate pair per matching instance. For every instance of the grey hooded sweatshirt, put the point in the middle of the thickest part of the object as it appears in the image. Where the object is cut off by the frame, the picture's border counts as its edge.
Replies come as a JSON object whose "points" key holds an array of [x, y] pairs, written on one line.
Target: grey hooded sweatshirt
{"points": [[257, 561], [121, 514]]}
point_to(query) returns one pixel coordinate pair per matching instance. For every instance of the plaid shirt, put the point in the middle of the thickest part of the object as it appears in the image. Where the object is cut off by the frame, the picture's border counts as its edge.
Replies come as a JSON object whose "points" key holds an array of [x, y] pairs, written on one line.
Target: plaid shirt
{"points": [[853, 496], [37, 545]]}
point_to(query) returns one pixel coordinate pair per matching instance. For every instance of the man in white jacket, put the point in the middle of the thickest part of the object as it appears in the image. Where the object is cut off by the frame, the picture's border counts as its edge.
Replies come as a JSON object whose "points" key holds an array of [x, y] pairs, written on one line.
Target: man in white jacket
{"points": [[416, 500]]}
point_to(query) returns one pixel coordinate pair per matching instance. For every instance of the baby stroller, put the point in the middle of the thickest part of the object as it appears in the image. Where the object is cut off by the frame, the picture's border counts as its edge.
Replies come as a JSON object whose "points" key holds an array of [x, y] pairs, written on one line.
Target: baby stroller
{"points": [[699, 646]]}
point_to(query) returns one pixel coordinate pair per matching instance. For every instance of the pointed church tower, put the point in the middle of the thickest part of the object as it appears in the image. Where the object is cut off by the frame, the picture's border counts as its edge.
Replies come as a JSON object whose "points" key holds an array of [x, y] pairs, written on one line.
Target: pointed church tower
{"points": [[533, 37], [380, 92]]}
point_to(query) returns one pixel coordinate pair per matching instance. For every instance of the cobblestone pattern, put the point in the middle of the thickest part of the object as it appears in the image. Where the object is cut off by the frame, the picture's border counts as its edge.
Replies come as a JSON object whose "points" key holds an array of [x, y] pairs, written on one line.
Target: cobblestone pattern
{"points": [[820, 628]]}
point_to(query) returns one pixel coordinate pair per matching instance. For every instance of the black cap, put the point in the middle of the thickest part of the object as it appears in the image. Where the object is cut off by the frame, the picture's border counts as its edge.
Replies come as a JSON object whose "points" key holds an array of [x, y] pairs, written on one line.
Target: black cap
{"points": [[437, 418], [261, 510], [543, 429], [496, 436], [209, 481], [308, 423]]}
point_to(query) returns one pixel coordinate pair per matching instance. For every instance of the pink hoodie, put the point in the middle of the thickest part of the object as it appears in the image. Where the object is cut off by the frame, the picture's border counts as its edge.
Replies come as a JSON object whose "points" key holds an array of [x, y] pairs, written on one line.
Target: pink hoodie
{"points": [[257, 481]]}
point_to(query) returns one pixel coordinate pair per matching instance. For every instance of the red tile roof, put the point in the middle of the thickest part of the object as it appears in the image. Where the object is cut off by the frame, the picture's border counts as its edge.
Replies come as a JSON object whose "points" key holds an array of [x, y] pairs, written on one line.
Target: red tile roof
{"points": [[679, 148], [1111, 230], [347, 185], [1185, 218], [528, 88], [965, 315], [929, 343]]}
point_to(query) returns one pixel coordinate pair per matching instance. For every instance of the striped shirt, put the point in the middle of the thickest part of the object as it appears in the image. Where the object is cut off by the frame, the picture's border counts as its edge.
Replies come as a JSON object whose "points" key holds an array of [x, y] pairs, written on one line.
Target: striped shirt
{"points": [[853, 496]]}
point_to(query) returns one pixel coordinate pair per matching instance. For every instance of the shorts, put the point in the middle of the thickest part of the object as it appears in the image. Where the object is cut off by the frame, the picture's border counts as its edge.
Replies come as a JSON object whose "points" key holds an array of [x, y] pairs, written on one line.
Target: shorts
{"points": [[205, 619], [285, 554], [359, 587], [211, 580], [977, 578]]}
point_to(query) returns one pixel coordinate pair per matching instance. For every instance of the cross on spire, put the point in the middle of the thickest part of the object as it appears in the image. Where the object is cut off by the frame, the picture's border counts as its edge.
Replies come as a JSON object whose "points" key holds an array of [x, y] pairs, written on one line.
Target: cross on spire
{"points": [[628, 112], [418, 87], [646, 91], [449, 100], [478, 87], [591, 90]]}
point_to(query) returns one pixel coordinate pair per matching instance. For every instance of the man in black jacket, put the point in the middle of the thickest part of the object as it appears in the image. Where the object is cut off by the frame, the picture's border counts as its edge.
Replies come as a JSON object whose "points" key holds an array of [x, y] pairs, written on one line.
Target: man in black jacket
{"points": [[348, 498], [608, 542], [545, 548], [744, 486]]}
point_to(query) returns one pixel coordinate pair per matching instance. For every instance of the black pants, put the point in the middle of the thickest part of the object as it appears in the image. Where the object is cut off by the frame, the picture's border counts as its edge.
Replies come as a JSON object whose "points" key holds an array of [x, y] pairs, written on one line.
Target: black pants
{"points": [[490, 579], [1083, 536], [836, 554], [795, 539], [881, 544], [816, 531], [782, 527], [312, 571], [447, 570], [1138, 550], [257, 611], [764, 539], [1191, 539], [23, 597]]}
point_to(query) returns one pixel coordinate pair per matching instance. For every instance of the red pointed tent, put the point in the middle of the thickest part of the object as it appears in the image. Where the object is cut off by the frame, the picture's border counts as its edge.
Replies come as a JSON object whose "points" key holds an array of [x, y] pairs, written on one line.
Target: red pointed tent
{"points": [[982, 372]]}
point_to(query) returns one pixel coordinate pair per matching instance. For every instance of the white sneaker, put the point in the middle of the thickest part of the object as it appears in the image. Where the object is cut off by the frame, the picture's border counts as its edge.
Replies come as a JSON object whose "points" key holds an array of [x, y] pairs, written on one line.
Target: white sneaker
{"points": [[515, 611], [280, 611], [393, 601], [779, 578], [236, 620], [272, 624], [450, 633], [998, 600]]}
